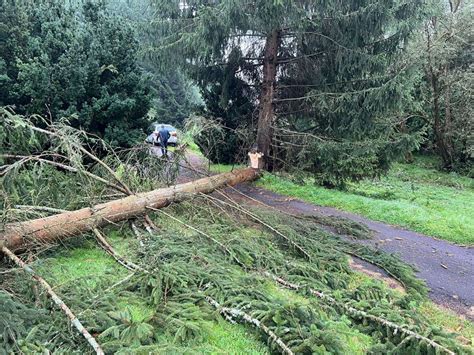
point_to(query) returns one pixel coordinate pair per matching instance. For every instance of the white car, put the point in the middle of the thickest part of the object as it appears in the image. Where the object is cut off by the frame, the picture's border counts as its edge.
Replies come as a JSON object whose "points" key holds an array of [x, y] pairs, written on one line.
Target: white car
{"points": [[154, 137]]}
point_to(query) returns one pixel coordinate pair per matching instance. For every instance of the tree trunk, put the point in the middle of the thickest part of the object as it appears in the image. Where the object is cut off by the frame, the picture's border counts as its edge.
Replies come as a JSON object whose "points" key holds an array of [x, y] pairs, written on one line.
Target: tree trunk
{"points": [[266, 110], [441, 139], [448, 129], [443, 146], [67, 224]]}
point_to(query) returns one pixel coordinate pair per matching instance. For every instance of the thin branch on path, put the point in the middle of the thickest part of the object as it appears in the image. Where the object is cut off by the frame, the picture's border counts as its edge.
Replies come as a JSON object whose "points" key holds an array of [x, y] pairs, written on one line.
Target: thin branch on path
{"points": [[75, 322], [265, 204]]}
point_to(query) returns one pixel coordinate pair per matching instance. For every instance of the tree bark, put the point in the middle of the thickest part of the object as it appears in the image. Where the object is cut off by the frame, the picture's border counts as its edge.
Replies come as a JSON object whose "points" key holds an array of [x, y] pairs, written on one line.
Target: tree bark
{"points": [[67, 224], [440, 127], [438, 124], [266, 109]]}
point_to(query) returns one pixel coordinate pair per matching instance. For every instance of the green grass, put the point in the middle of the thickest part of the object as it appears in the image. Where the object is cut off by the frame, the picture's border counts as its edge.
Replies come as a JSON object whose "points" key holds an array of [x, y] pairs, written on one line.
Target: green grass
{"points": [[224, 168], [223, 337], [193, 147], [80, 263], [448, 320], [88, 263], [415, 196]]}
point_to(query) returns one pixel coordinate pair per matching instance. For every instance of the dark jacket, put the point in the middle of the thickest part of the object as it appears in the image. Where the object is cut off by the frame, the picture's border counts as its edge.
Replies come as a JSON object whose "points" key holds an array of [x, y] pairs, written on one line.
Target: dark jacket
{"points": [[164, 135]]}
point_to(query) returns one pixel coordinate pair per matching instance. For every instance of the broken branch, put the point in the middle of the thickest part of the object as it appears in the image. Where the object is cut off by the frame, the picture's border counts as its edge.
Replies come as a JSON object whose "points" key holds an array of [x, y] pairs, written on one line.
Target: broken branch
{"points": [[259, 220], [75, 322], [362, 314], [237, 313]]}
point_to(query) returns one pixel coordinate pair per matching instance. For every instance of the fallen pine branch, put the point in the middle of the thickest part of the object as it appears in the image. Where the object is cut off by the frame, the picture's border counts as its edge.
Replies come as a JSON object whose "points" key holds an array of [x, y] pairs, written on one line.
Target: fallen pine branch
{"points": [[111, 251], [75, 322], [149, 225], [222, 246], [137, 234], [19, 235], [363, 314], [90, 155], [24, 159], [237, 313], [259, 220]]}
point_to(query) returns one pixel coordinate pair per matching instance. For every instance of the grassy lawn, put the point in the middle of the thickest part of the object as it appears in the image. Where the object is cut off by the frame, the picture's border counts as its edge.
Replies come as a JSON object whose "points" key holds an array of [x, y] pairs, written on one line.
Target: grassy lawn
{"points": [[415, 196], [88, 264]]}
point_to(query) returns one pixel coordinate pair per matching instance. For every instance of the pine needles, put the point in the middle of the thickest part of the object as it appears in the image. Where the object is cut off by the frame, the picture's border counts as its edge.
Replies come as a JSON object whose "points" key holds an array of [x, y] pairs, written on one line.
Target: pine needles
{"points": [[188, 269], [186, 263], [206, 253]]}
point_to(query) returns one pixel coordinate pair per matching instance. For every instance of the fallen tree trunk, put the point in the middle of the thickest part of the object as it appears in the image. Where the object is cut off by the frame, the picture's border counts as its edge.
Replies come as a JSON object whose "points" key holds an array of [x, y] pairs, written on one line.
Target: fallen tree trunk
{"points": [[67, 224]]}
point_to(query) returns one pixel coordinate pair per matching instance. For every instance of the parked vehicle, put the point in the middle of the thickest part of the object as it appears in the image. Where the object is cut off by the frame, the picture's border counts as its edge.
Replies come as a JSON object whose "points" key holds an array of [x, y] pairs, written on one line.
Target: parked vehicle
{"points": [[154, 137]]}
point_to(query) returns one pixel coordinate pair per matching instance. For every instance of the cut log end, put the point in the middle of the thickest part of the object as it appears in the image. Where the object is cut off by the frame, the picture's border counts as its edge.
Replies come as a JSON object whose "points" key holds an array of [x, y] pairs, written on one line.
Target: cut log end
{"points": [[256, 160]]}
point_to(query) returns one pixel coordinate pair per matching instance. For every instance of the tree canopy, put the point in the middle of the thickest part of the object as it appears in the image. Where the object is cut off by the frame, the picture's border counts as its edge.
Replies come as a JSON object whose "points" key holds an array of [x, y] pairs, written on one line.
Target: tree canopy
{"points": [[323, 77], [339, 89], [446, 85]]}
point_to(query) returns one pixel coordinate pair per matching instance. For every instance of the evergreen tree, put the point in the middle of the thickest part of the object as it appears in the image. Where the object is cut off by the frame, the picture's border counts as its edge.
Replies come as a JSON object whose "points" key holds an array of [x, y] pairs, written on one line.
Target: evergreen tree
{"points": [[175, 97], [447, 85], [59, 60], [335, 62]]}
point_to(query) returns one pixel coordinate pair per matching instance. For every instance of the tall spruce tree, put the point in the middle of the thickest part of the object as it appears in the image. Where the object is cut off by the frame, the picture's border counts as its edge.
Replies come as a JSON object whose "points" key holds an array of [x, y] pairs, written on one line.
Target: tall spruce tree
{"points": [[175, 97], [332, 61]]}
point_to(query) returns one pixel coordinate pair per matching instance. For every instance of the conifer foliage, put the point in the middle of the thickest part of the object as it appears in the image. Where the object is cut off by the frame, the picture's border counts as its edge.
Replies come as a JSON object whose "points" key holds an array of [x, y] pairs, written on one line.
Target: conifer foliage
{"points": [[62, 60], [446, 88], [325, 70], [209, 260]]}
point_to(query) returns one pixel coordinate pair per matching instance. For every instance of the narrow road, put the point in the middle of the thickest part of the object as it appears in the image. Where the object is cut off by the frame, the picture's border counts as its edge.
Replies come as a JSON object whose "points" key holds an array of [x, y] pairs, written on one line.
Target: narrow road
{"points": [[448, 269]]}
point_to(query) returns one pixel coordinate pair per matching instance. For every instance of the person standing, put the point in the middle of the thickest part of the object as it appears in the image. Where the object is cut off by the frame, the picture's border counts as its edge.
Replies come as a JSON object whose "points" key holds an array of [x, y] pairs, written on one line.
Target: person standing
{"points": [[164, 136]]}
